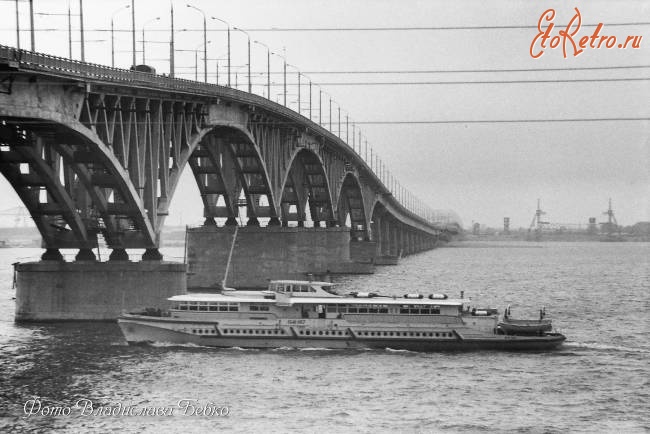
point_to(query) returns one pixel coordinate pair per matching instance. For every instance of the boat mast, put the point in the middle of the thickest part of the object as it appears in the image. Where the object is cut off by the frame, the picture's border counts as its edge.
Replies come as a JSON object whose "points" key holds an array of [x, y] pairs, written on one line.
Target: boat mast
{"points": [[232, 247]]}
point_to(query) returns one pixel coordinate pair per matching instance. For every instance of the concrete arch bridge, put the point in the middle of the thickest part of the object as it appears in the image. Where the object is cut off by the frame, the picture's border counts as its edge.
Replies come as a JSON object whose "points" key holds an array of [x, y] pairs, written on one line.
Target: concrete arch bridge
{"points": [[97, 152]]}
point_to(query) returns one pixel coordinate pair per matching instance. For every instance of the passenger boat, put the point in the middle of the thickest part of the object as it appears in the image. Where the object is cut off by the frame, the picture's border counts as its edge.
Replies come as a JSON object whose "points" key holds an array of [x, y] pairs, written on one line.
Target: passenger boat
{"points": [[310, 314]]}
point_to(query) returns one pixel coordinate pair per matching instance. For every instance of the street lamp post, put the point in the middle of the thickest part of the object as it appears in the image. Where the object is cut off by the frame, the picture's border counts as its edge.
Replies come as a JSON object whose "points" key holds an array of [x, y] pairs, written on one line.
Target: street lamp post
{"points": [[31, 22], [17, 27], [339, 110], [250, 85], [228, 25], [284, 59], [330, 113], [81, 28], [69, 15], [144, 61], [298, 71], [171, 40], [205, 44], [268, 68], [69, 33], [132, 29], [196, 60], [113, 32], [347, 129]]}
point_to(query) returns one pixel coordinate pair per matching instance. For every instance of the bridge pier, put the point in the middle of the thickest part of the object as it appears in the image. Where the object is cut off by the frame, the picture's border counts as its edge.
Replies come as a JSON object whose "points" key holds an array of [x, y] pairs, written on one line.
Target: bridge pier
{"points": [[52, 255], [271, 252], [85, 255], [118, 255], [91, 290]]}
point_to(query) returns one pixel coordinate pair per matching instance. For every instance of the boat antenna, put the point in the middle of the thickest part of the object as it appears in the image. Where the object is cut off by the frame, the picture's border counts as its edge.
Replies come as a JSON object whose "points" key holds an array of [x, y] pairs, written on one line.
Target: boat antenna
{"points": [[232, 247]]}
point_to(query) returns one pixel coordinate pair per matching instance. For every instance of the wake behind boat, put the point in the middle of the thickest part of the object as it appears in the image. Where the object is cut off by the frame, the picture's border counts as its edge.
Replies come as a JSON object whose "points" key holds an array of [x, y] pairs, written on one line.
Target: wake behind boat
{"points": [[305, 314]]}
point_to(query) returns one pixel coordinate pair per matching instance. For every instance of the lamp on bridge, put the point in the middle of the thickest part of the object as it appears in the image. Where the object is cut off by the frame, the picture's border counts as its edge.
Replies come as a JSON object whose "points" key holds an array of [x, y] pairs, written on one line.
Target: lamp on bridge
{"points": [[113, 33], [144, 62], [298, 71], [268, 68], [69, 15], [284, 74], [250, 85], [196, 61], [228, 25], [205, 43]]}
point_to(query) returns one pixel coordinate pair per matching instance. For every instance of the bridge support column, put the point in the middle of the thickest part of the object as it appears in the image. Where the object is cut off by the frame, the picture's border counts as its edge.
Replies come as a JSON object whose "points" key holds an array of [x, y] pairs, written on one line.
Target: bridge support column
{"points": [[88, 291], [52, 255], [263, 253], [394, 246], [385, 237], [118, 255], [152, 255], [85, 255], [253, 221]]}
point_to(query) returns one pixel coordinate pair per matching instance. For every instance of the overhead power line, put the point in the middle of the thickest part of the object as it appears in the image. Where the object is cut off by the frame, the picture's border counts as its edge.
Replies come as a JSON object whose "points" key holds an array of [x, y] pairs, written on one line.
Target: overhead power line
{"points": [[448, 71], [353, 29], [460, 71], [500, 121], [415, 122], [418, 83]]}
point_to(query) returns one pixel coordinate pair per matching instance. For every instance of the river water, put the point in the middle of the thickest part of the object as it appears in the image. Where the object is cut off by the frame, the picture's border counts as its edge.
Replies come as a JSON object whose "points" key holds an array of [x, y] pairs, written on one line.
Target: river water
{"points": [[597, 294]]}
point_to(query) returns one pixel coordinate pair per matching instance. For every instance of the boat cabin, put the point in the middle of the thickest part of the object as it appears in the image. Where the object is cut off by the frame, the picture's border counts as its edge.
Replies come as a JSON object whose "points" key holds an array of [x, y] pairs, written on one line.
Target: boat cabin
{"points": [[293, 299]]}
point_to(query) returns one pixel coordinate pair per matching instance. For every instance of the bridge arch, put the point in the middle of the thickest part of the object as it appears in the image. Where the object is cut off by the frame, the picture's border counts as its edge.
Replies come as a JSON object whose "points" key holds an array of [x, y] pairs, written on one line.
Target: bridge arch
{"points": [[306, 187], [351, 203], [226, 162], [72, 185]]}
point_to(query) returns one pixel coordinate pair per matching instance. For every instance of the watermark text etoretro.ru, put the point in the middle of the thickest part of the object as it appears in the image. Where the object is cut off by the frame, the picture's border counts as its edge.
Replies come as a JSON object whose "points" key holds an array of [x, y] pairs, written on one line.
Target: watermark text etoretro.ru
{"points": [[570, 41]]}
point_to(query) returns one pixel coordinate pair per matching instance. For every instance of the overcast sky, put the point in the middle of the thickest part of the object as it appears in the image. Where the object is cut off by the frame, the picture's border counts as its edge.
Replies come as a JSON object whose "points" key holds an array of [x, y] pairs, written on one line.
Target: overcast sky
{"points": [[483, 171]]}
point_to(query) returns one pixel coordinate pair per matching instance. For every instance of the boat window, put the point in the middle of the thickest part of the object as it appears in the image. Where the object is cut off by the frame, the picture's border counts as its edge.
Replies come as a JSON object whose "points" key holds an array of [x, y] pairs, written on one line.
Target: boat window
{"points": [[363, 309], [253, 308], [331, 308], [212, 307], [373, 309], [352, 309], [233, 307], [404, 309], [203, 306], [193, 305], [435, 310], [383, 310], [183, 306]]}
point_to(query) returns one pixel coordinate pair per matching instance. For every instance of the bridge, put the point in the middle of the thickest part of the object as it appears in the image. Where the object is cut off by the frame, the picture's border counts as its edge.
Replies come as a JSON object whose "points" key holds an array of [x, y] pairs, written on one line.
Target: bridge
{"points": [[96, 152]]}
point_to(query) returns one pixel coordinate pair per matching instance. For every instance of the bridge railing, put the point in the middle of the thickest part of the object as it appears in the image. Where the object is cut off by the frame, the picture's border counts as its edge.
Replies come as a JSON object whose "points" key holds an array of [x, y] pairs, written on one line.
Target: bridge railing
{"points": [[65, 66]]}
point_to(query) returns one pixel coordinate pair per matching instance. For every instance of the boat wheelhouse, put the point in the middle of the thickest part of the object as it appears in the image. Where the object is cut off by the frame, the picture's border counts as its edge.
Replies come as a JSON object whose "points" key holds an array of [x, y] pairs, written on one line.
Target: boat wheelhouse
{"points": [[300, 314]]}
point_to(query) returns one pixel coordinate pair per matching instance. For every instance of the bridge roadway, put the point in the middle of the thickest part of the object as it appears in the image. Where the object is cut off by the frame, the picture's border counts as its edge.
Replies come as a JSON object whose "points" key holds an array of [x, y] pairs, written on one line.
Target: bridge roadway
{"points": [[95, 151]]}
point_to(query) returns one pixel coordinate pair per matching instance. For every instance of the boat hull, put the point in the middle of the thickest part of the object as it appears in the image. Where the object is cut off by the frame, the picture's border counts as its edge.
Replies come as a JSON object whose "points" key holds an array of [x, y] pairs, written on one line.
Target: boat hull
{"points": [[142, 330]]}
